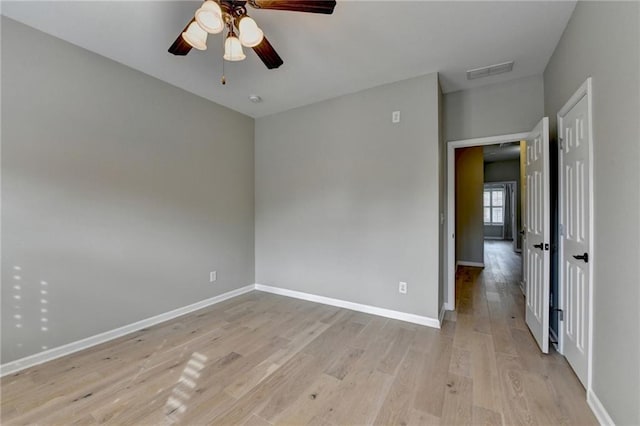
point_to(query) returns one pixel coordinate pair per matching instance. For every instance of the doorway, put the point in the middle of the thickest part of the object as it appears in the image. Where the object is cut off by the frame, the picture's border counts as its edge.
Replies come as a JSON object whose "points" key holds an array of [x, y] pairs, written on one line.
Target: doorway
{"points": [[452, 261]]}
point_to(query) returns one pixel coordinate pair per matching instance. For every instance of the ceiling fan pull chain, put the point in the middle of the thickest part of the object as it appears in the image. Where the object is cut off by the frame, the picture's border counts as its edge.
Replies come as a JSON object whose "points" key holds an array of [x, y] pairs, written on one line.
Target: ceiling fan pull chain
{"points": [[223, 80]]}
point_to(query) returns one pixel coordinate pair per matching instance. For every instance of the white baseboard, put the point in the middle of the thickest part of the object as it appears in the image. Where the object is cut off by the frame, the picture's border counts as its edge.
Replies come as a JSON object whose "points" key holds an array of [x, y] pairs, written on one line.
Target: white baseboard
{"points": [[443, 310], [387, 313], [465, 263], [69, 348], [598, 409], [449, 306]]}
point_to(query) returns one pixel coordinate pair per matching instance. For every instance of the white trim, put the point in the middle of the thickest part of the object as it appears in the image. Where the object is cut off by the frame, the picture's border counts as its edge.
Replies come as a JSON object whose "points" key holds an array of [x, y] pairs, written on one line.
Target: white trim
{"points": [[448, 306], [598, 409], [387, 313], [465, 263], [585, 89], [69, 348], [489, 140], [443, 310], [451, 201], [79, 345]]}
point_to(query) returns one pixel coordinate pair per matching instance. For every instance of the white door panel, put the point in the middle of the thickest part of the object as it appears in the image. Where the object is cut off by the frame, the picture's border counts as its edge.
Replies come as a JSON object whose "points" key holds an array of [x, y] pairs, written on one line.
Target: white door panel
{"points": [[537, 234], [573, 129]]}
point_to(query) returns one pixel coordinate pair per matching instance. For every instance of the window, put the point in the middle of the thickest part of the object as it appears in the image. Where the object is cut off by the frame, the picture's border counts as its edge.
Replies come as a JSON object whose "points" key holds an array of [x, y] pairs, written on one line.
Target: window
{"points": [[494, 206]]}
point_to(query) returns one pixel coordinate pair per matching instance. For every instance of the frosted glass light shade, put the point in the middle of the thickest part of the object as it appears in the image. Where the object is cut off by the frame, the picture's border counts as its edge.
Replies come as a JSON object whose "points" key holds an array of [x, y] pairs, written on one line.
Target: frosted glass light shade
{"points": [[209, 17], [195, 36], [233, 49], [250, 34]]}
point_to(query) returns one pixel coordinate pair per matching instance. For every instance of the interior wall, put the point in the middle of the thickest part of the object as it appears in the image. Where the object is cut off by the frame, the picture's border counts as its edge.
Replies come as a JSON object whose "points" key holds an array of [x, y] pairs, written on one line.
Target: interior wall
{"points": [[469, 205], [512, 107], [442, 146], [602, 40], [119, 191], [347, 202], [503, 171]]}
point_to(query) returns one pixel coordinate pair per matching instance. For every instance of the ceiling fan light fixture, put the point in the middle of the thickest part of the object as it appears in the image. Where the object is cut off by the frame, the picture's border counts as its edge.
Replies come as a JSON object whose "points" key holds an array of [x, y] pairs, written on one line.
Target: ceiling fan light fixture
{"points": [[195, 36], [233, 49], [250, 34], [209, 17]]}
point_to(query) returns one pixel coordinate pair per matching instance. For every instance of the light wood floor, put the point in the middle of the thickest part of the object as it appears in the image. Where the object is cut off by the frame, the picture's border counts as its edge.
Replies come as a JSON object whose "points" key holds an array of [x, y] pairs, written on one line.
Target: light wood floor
{"points": [[262, 359]]}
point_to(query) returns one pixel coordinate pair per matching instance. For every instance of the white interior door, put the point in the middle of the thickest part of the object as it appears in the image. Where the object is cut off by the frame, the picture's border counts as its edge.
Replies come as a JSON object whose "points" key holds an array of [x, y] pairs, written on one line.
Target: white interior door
{"points": [[537, 234], [574, 129]]}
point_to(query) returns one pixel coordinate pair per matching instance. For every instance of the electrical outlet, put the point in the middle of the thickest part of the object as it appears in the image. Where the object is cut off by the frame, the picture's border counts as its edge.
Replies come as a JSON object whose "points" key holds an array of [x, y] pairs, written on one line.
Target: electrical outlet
{"points": [[402, 287], [213, 276], [395, 117]]}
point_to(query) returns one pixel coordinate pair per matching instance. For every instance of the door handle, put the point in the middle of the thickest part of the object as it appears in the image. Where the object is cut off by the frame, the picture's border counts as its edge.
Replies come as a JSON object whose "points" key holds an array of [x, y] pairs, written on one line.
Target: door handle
{"points": [[584, 257], [538, 246]]}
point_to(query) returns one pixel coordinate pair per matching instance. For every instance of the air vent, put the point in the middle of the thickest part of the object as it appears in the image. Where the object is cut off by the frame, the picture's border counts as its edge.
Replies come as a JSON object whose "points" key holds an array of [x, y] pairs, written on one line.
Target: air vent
{"points": [[490, 70]]}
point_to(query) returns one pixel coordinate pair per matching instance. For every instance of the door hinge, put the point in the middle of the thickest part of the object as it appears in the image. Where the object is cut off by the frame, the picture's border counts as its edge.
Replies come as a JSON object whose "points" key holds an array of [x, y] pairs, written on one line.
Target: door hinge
{"points": [[561, 229], [561, 143]]}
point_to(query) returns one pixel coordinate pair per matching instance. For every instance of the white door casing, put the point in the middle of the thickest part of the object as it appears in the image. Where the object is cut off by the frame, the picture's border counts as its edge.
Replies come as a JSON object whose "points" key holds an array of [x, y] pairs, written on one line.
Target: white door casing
{"points": [[576, 247], [537, 234]]}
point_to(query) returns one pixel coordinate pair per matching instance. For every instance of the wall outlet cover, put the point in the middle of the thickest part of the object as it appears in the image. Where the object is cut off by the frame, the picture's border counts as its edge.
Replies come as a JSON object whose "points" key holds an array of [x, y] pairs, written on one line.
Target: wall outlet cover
{"points": [[213, 276], [402, 287]]}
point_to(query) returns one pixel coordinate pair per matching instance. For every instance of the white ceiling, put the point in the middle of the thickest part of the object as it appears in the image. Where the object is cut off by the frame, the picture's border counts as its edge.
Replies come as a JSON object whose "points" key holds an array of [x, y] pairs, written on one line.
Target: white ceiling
{"points": [[363, 44]]}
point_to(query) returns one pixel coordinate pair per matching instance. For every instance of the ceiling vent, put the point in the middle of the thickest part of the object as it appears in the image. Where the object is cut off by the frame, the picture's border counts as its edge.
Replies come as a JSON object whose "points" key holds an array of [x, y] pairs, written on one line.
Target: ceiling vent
{"points": [[490, 70]]}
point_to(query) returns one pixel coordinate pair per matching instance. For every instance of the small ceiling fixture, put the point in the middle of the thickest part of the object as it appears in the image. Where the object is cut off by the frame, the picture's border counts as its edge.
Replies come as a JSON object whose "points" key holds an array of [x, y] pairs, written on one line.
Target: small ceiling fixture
{"points": [[216, 15], [255, 99]]}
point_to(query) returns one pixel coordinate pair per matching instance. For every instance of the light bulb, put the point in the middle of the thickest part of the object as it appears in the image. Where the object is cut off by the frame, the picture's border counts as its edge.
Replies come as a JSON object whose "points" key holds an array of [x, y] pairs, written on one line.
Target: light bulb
{"points": [[233, 49], [209, 17], [250, 34], [195, 36]]}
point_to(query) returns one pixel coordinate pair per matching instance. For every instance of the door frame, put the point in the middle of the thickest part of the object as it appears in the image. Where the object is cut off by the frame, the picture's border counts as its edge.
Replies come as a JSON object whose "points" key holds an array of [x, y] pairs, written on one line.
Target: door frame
{"points": [[450, 301], [585, 89]]}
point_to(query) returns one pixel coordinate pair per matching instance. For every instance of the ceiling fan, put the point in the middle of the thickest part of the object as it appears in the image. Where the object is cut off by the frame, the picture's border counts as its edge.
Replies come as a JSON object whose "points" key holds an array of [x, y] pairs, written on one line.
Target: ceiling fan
{"points": [[214, 16]]}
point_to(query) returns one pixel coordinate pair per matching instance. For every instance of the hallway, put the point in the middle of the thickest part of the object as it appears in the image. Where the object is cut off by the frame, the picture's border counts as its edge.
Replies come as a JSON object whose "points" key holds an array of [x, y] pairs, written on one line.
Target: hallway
{"points": [[494, 347]]}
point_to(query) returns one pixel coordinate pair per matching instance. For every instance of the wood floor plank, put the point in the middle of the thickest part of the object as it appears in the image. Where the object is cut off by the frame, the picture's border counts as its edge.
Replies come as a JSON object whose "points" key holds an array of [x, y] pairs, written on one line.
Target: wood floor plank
{"points": [[397, 408], [486, 387], [262, 359], [457, 405], [483, 417], [311, 403], [460, 362]]}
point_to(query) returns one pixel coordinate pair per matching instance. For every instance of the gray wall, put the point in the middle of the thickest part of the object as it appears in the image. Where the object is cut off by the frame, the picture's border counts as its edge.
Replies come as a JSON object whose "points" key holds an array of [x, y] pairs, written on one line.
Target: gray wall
{"points": [[469, 217], [347, 202], [120, 191], [502, 171], [602, 40], [511, 107], [443, 241]]}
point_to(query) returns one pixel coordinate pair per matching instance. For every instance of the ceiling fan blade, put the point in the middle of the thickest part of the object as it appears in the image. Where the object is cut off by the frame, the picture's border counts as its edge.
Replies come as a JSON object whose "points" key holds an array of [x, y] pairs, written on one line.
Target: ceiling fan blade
{"points": [[310, 6], [268, 54], [181, 47]]}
